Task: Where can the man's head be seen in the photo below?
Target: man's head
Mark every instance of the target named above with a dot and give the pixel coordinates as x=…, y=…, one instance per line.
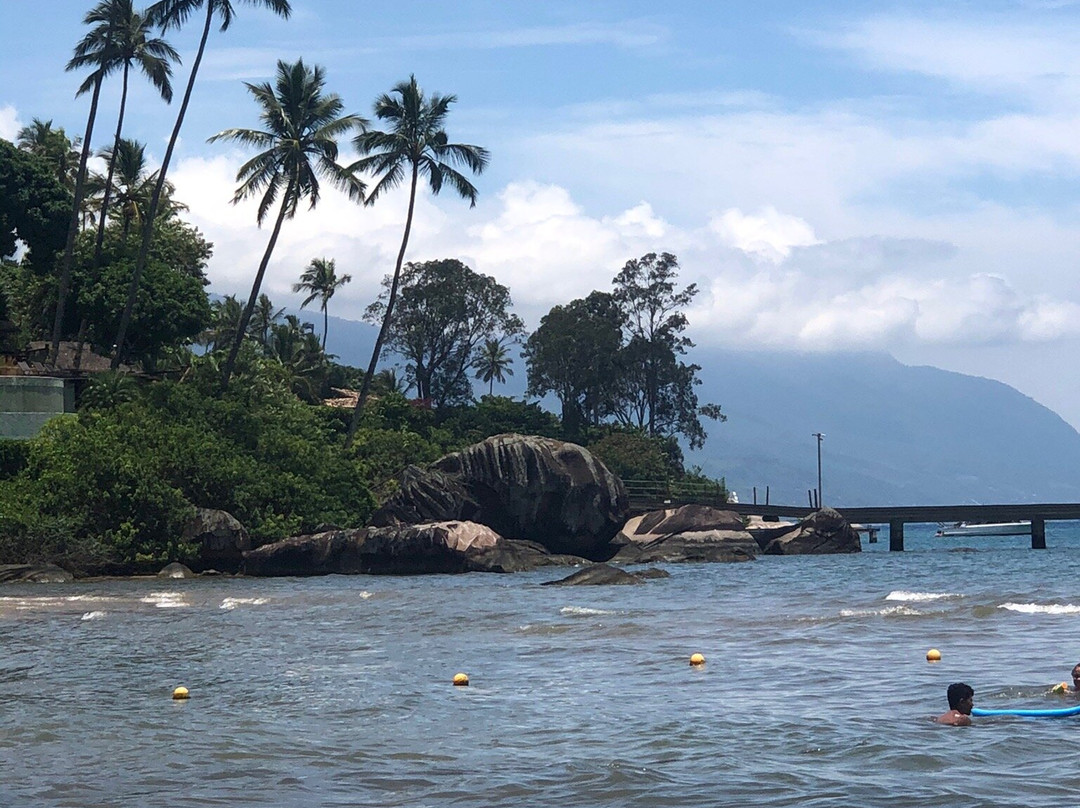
x=1076, y=676
x=961, y=697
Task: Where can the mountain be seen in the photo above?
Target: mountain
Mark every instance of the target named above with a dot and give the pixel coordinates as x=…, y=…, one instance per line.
x=894, y=434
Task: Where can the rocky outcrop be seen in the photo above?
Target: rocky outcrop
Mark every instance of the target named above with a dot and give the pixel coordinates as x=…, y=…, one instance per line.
x=435, y=547
x=822, y=532
x=327, y=553
x=34, y=573
x=687, y=533
x=598, y=575
x=222, y=540
x=522, y=487
x=176, y=570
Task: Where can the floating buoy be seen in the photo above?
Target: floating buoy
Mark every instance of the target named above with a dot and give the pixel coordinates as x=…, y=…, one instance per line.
x=1061, y=688
x=461, y=680
x=933, y=655
x=181, y=693
x=697, y=659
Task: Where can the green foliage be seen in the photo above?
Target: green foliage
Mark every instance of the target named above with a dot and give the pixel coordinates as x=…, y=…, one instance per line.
x=129, y=476
x=495, y=415
x=636, y=456
x=14, y=455
x=34, y=207
x=445, y=311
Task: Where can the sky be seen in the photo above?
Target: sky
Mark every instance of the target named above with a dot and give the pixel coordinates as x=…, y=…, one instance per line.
x=834, y=176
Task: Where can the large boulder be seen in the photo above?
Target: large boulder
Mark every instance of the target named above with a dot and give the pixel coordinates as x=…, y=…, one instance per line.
x=222, y=540
x=824, y=531
x=34, y=573
x=687, y=533
x=435, y=547
x=598, y=575
x=522, y=487
x=333, y=551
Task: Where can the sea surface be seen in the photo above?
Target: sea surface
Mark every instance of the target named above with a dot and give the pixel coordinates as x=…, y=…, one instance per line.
x=337, y=691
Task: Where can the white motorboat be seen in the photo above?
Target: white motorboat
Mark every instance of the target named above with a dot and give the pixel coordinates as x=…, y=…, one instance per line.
x=1019, y=528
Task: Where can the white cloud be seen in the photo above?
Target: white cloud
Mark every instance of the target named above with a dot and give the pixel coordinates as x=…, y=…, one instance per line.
x=622, y=35
x=9, y=122
x=769, y=234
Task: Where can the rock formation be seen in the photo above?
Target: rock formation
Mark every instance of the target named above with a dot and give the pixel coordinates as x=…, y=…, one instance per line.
x=687, y=533
x=824, y=531
x=221, y=538
x=522, y=487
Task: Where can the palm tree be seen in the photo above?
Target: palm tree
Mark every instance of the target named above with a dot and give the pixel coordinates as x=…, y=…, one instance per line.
x=173, y=14
x=131, y=187
x=493, y=364
x=96, y=50
x=300, y=141
x=263, y=318
x=152, y=56
x=415, y=145
x=54, y=146
x=321, y=281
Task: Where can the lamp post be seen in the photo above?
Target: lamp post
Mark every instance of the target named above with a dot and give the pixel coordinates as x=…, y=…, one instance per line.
x=819, y=436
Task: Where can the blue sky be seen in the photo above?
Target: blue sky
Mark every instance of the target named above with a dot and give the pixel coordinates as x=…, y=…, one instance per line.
x=895, y=176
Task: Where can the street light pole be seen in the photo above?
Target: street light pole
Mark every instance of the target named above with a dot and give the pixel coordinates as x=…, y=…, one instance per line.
x=819, y=436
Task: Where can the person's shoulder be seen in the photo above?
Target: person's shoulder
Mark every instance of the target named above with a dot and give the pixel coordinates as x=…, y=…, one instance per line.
x=954, y=718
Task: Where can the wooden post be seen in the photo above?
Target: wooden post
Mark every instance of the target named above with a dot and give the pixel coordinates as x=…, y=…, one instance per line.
x=1038, y=534
x=896, y=535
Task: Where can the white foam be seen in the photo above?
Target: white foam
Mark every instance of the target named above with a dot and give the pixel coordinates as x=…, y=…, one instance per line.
x=364, y=595
x=93, y=615
x=919, y=597
x=888, y=611
x=231, y=603
x=1035, y=608
x=582, y=611
x=165, y=600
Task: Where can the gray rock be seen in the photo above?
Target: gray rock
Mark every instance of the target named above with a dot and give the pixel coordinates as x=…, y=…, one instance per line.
x=598, y=575
x=522, y=487
x=34, y=573
x=176, y=570
x=221, y=538
x=696, y=533
x=822, y=532
x=335, y=551
x=435, y=547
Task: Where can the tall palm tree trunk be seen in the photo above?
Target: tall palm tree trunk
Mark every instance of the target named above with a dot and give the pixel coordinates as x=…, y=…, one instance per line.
x=245, y=318
x=73, y=227
x=365, y=386
x=109, y=176
x=148, y=223
x=325, y=325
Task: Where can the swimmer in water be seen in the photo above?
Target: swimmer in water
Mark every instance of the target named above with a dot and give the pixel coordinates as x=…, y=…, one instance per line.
x=1064, y=686
x=961, y=700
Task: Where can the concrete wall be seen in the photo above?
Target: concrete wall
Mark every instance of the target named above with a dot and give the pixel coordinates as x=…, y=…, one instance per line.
x=27, y=402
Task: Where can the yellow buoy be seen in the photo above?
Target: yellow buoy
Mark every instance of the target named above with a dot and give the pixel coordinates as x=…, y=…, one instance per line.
x=697, y=659
x=181, y=693
x=1061, y=688
x=933, y=655
x=461, y=680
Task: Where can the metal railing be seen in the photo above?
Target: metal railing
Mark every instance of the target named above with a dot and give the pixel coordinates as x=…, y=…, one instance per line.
x=649, y=495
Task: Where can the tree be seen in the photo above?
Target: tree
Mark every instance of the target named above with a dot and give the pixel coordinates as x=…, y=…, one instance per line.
x=574, y=353
x=173, y=14
x=262, y=319
x=53, y=146
x=175, y=310
x=415, y=145
x=300, y=140
x=130, y=187
x=321, y=281
x=97, y=50
x=657, y=388
x=34, y=207
x=152, y=56
x=445, y=310
x=492, y=363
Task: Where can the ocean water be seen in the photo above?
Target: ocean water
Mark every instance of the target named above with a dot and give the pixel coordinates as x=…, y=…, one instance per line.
x=337, y=691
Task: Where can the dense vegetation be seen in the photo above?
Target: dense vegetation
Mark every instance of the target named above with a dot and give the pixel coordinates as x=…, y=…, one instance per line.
x=220, y=404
